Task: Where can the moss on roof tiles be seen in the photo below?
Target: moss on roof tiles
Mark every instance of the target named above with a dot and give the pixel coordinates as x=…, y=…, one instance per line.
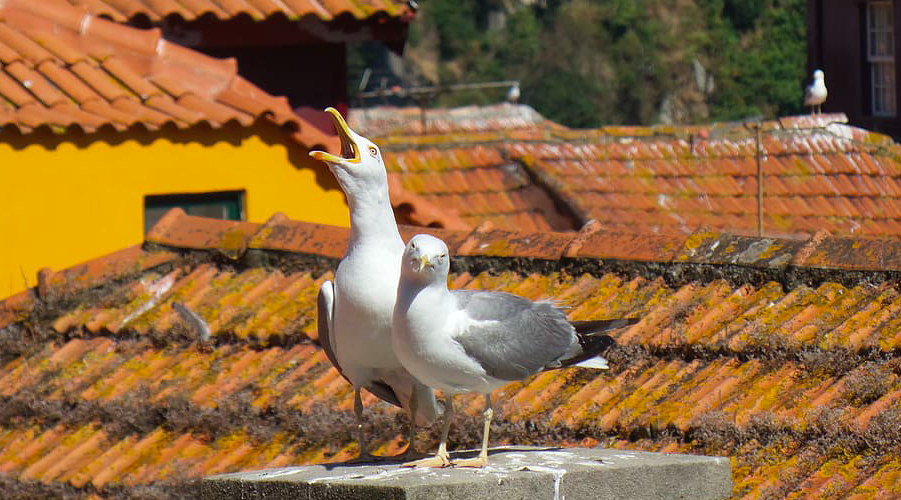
x=717, y=365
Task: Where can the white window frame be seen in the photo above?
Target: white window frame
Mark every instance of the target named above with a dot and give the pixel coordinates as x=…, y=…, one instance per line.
x=881, y=58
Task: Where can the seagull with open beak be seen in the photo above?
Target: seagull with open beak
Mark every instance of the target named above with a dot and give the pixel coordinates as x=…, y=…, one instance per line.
x=355, y=311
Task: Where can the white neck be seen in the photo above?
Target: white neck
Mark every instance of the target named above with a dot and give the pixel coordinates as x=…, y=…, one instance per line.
x=421, y=303
x=371, y=216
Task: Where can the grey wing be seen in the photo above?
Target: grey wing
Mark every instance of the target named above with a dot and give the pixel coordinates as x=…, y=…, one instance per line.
x=512, y=337
x=325, y=309
x=325, y=313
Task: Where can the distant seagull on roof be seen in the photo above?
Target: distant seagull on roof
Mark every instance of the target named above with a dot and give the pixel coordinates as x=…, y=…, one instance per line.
x=513, y=93
x=815, y=93
x=476, y=341
x=355, y=310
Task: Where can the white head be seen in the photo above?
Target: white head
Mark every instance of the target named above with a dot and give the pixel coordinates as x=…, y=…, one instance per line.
x=360, y=166
x=818, y=74
x=425, y=260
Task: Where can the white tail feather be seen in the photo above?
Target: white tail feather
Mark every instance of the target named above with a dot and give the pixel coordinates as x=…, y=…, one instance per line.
x=596, y=362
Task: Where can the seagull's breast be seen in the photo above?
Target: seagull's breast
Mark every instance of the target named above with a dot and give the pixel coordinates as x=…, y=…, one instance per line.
x=423, y=341
x=815, y=93
x=365, y=291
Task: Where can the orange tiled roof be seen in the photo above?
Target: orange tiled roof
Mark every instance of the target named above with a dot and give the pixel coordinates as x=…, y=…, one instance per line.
x=63, y=67
x=189, y=10
x=779, y=353
x=465, y=172
x=478, y=183
x=818, y=173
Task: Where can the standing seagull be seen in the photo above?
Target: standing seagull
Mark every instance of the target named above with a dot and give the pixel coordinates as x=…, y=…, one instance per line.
x=513, y=93
x=355, y=310
x=476, y=341
x=815, y=93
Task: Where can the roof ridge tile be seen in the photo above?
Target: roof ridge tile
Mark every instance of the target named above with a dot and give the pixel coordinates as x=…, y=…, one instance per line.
x=454, y=238
x=176, y=229
x=223, y=69
x=609, y=244
x=144, y=42
x=851, y=254
x=486, y=241
x=283, y=234
x=71, y=17
x=180, y=230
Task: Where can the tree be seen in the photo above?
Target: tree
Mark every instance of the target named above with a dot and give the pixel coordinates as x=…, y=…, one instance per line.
x=586, y=63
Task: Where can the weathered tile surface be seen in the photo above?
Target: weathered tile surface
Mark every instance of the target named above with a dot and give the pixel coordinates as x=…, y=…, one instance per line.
x=508, y=165
x=106, y=388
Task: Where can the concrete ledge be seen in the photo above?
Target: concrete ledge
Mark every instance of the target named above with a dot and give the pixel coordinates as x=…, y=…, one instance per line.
x=513, y=473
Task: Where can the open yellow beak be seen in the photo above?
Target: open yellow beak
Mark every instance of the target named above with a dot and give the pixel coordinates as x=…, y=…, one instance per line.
x=350, y=153
x=423, y=262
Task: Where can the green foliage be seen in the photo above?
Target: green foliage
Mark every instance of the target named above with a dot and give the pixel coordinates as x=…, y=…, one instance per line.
x=456, y=25
x=587, y=63
x=743, y=14
x=763, y=74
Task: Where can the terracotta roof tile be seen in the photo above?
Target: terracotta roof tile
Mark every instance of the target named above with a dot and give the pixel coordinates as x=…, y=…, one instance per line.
x=31, y=52
x=475, y=185
x=35, y=83
x=68, y=82
x=280, y=233
x=53, y=54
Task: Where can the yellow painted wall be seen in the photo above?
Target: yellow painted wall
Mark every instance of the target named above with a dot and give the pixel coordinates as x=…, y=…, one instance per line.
x=68, y=199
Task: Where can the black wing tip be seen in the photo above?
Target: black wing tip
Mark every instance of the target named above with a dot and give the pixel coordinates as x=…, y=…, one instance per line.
x=592, y=345
x=591, y=327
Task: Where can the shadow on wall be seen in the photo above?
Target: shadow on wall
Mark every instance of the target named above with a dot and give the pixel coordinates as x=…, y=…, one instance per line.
x=232, y=132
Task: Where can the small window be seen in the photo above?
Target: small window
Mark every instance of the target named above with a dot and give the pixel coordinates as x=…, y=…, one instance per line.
x=220, y=205
x=881, y=57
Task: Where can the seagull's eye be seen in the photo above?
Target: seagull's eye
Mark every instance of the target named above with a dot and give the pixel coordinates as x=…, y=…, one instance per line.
x=373, y=152
x=442, y=256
